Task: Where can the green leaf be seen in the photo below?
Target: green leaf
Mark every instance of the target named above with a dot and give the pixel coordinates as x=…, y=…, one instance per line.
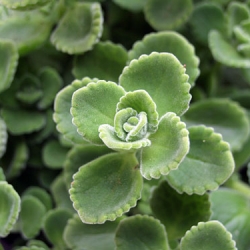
x=106, y=188
x=32, y=209
x=105, y=61
x=170, y=144
x=93, y=106
x=237, y=12
x=2, y=175
x=171, y=42
x=62, y=105
x=208, y=164
x=167, y=15
x=209, y=235
x=224, y=52
x=79, y=28
x=131, y=5
x=28, y=121
x=206, y=17
x=141, y=233
x=54, y=154
x=23, y=4
x=40, y=194
x=9, y=208
x=51, y=83
x=37, y=243
x=226, y=117
x=231, y=207
x=244, y=49
x=53, y=226
x=163, y=77
x=78, y=156
x=3, y=137
x=78, y=235
x=242, y=31
x=22, y=31
x=9, y=61
x=178, y=212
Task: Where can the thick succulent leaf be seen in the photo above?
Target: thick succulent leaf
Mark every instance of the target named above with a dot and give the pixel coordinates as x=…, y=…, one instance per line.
x=22, y=31
x=206, y=17
x=40, y=194
x=226, y=117
x=37, y=243
x=28, y=121
x=170, y=144
x=53, y=226
x=22, y=4
x=131, y=5
x=178, y=12
x=209, y=235
x=9, y=208
x=60, y=193
x=224, y=52
x=171, y=42
x=231, y=207
x=237, y=12
x=163, y=77
x=105, y=61
x=93, y=106
x=208, y=164
x=62, y=105
x=78, y=156
x=9, y=61
x=141, y=233
x=51, y=83
x=78, y=235
x=242, y=32
x=79, y=29
x=106, y=188
x=178, y=212
x=244, y=49
x=54, y=154
x=3, y=137
x=32, y=209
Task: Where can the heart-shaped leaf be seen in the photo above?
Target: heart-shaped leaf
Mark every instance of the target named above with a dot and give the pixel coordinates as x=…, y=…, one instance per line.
x=208, y=164
x=107, y=187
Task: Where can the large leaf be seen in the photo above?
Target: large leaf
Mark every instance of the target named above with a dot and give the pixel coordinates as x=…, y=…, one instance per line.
x=208, y=164
x=106, y=188
x=141, y=233
x=79, y=29
x=163, y=77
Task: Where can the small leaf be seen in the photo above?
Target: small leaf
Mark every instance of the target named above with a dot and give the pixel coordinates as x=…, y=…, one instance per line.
x=79, y=29
x=53, y=226
x=62, y=105
x=178, y=212
x=54, y=154
x=105, y=61
x=28, y=121
x=208, y=164
x=170, y=144
x=80, y=155
x=224, y=52
x=23, y=4
x=206, y=17
x=209, y=235
x=141, y=233
x=92, y=237
x=9, y=61
x=3, y=137
x=32, y=209
x=93, y=106
x=226, y=117
x=163, y=77
x=231, y=207
x=22, y=31
x=171, y=42
x=105, y=188
x=51, y=83
x=242, y=31
x=166, y=15
x=10, y=207
x=37, y=243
